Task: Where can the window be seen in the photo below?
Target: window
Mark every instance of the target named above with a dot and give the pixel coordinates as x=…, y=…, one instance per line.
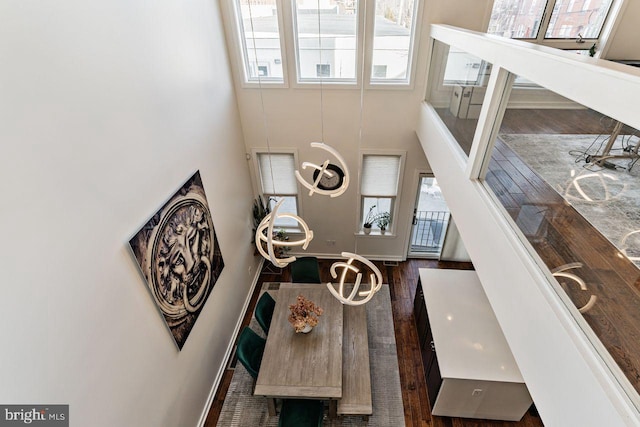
x=278, y=181
x=327, y=40
x=379, y=185
x=260, y=40
x=571, y=25
x=507, y=16
x=325, y=37
x=323, y=70
x=379, y=71
x=263, y=70
x=587, y=23
x=392, y=40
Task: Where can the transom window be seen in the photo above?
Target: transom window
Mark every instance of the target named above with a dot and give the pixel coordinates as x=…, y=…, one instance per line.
x=393, y=40
x=260, y=40
x=327, y=40
x=564, y=24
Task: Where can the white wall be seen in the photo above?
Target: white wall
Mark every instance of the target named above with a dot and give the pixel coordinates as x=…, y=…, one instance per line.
x=624, y=43
x=107, y=107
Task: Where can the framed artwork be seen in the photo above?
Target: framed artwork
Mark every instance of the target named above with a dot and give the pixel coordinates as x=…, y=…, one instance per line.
x=179, y=256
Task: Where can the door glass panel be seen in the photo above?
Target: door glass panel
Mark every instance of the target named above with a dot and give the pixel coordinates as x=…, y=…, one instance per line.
x=430, y=220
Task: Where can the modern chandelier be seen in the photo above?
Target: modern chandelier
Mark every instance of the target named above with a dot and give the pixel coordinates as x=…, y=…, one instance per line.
x=328, y=179
x=331, y=180
x=267, y=223
x=375, y=280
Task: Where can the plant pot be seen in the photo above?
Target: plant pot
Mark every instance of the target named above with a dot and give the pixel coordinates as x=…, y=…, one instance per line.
x=307, y=329
x=383, y=230
x=366, y=229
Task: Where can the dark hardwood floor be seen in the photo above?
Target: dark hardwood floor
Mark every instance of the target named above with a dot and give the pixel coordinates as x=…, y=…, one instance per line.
x=402, y=280
x=560, y=236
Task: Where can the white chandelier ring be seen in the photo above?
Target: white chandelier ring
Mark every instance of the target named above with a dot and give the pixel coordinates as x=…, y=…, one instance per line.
x=325, y=172
x=347, y=266
x=267, y=224
x=375, y=280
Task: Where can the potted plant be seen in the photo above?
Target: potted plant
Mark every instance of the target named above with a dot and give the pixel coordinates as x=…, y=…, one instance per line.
x=368, y=220
x=282, y=236
x=260, y=210
x=382, y=221
x=304, y=314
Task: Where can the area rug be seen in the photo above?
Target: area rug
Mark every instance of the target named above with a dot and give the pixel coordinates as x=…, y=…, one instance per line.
x=609, y=198
x=242, y=408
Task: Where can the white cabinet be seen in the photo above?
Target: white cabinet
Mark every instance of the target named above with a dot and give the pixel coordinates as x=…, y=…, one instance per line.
x=480, y=378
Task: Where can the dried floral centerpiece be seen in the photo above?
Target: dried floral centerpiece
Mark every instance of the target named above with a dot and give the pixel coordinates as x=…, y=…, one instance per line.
x=304, y=314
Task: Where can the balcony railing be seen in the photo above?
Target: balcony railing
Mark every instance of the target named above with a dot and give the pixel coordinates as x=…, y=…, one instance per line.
x=428, y=231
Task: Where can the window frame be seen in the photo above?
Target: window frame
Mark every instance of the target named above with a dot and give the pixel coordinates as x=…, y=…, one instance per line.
x=243, y=51
x=574, y=43
x=408, y=82
x=375, y=231
x=288, y=50
x=307, y=82
x=257, y=175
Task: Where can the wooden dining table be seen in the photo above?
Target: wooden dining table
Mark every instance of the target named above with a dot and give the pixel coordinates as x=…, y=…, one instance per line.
x=298, y=365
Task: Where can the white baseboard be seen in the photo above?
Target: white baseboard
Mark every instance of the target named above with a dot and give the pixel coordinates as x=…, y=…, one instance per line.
x=338, y=256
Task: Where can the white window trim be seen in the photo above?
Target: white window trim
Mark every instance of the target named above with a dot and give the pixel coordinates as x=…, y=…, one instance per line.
x=307, y=83
x=231, y=16
x=289, y=51
x=391, y=232
x=414, y=46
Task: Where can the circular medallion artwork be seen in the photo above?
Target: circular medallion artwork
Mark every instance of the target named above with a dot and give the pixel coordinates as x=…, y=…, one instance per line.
x=181, y=256
x=178, y=253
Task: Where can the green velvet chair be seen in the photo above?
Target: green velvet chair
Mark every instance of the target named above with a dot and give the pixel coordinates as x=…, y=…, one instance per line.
x=250, y=350
x=305, y=270
x=301, y=413
x=264, y=311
